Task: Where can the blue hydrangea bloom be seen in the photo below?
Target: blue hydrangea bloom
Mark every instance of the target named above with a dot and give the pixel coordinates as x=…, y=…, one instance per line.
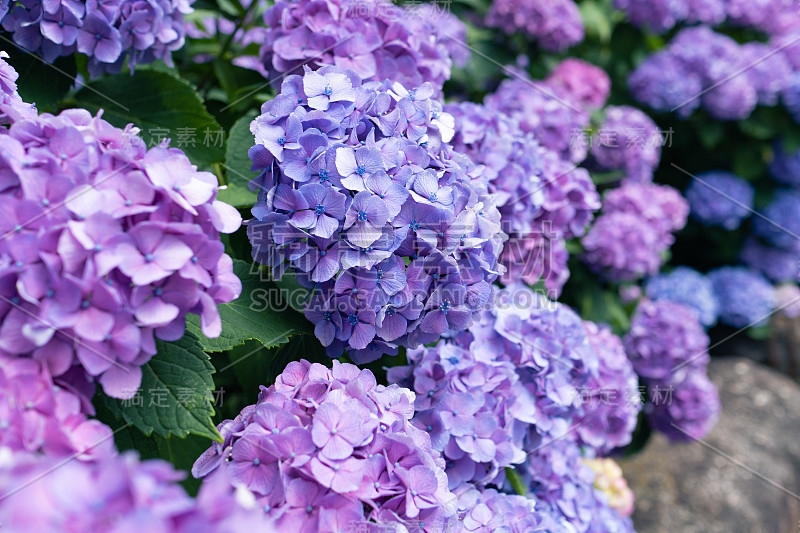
x=777, y=264
x=745, y=297
x=779, y=224
x=785, y=168
x=686, y=286
x=720, y=198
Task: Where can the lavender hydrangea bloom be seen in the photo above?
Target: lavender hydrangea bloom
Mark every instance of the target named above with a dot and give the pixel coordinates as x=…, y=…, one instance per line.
x=116, y=493
x=627, y=241
x=489, y=511
x=527, y=178
x=108, y=246
x=769, y=73
x=665, y=335
x=403, y=243
x=745, y=297
x=37, y=415
x=375, y=39
x=629, y=141
x=780, y=225
x=665, y=84
x=719, y=198
x=553, y=114
x=711, y=12
x=322, y=445
x=785, y=167
x=142, y=31
x=12, y=107
x=620, y=248
x=609, y=398
x=555, y=24
x=589, y=85
x=683, y=408
x=658, y=16
x=777, y=264
x=686, y=286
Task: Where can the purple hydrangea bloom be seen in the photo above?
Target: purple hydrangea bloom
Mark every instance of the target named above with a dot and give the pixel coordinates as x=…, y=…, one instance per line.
x=142, y=31
x=769, y=73
x=331, y=446
x=777, y=264
x=780, y=226
x=622, y=247
x=685, y=407
x=555, y=24
x=627, y=241
x=711, y=12
x=489, y=511
x=665, y=335
x=629, y=141
x=12, y=107
x=719, y=198
x=116, y=493
x=363, y=198
x=658, y=16
x=38, y=415
x=785, y=167
x=589, y=85
x=610, y=399
x=665, y=84
x=686, y=286
x=791, y=96
x=551, y=112
x=107, y=245
x=745, y=297
x=527, y=178
x=753, y=14
x=375, y=39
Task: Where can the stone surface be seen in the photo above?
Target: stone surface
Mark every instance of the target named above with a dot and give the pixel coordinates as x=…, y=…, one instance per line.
x=744, y=477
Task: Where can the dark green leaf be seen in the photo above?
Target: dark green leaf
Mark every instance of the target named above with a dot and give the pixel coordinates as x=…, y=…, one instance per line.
x=237, y=164
x=516, y=481
x=162, y=106
x=262, y=312
x=41, y=83
x=175, y=397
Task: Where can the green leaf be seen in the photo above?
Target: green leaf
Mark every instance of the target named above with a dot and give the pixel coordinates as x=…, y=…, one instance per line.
x=262, y=313
x=237, y=164
x=711, y=134
x=748, y=163
x=175, y=396
x=162, y=106
x=516, y=481
x=596, y=21
x=41, y=83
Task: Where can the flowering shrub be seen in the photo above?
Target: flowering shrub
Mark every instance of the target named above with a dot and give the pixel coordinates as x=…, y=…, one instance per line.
x=361, y=195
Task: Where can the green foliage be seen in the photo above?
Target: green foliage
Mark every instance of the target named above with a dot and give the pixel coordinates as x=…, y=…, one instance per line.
x=175, y=396
x=237, y=164
x=162, y=105
x=42, y=83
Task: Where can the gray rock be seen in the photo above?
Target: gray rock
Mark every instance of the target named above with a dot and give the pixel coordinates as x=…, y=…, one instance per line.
x=744, y=477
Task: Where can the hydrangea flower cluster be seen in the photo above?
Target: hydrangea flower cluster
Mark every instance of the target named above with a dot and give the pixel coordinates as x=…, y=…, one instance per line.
x=744, y=296
x=785, y=166
x=116, y=493
x=777, y=264
x=361, y=195
x=563, y=486
x=374, y=38
x=611, y=397
x=489, y=511
x=526, y=178
x=719, y=198
x=779, y=225
x=329, y=446
x=555, y=24
x=105, y=246
x=688, y=287
x=669, y=350
x=548, y=109
x=628, y=239
x=702, y=67
x=628, y=141
x=12, y=108
x=37, y=415
x=770, y=16
x=588, y=84
x=608, y=480
x=142, y=31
